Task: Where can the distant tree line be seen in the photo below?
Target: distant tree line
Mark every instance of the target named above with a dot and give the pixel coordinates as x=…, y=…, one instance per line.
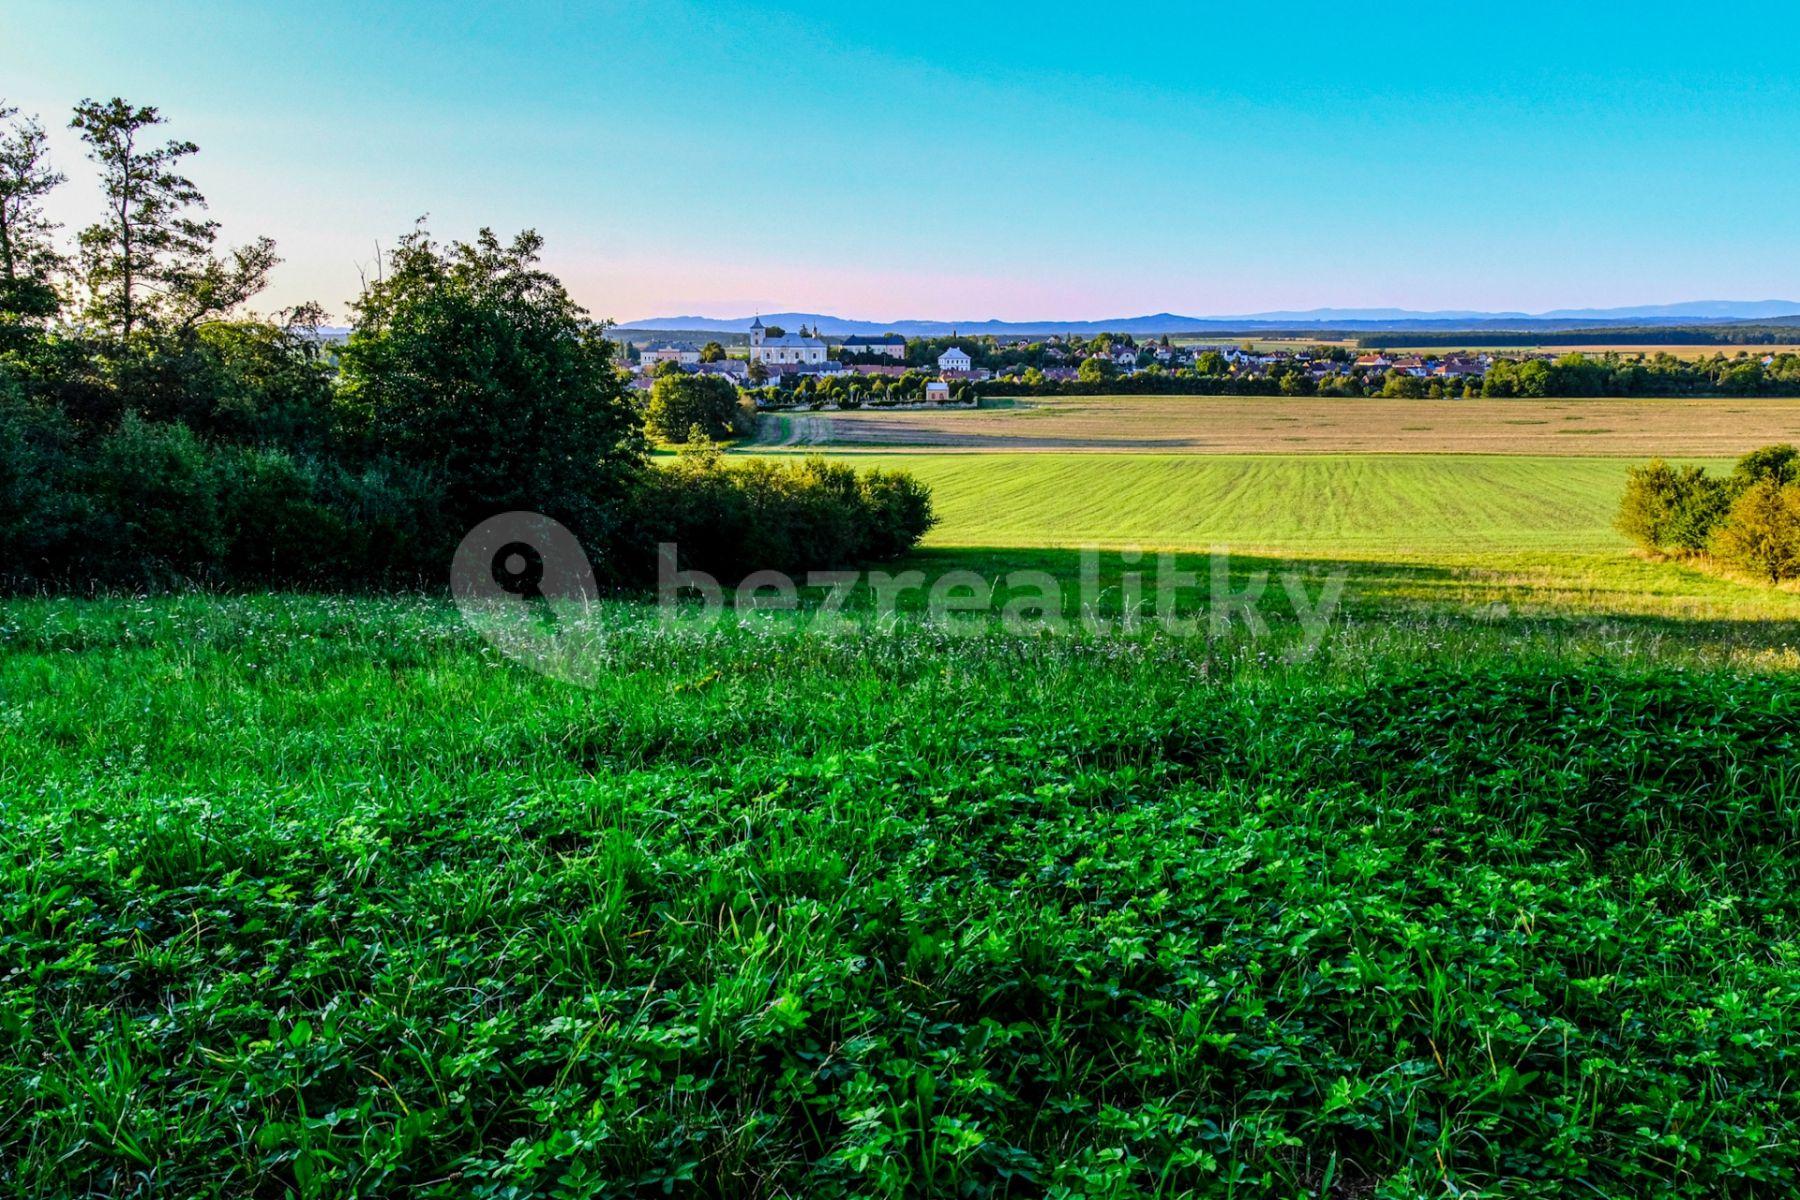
x=1568, y=375
x=1748, y=519
x=151, y=434
x=1630, y=335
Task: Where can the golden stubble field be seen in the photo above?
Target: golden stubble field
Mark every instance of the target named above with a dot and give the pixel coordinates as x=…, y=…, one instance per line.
x=1709, y=428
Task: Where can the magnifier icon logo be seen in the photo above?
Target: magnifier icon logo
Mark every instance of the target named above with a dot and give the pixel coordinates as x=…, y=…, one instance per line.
x=519, y=569
x=522, y=581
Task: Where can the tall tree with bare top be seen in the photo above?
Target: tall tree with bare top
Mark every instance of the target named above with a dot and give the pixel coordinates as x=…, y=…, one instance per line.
x=28, y=255
x=150, y=262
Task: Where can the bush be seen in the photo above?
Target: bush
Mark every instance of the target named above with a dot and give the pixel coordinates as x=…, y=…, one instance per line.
x=1761, y=535
x=1672, y=510
x=156, y=504
x=282, y=523
x=39, y=511
x=899, y=512
x=472, y=362
x=731, y=518
x=1749, y=520
x=1780, y=463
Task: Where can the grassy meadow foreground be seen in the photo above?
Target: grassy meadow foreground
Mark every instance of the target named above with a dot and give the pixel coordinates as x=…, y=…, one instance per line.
x=323, y=897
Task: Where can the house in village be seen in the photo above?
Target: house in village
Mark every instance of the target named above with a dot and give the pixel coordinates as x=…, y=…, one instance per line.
x=684, y=353
x=955, y=359
x=736, y=370
x=889, y=345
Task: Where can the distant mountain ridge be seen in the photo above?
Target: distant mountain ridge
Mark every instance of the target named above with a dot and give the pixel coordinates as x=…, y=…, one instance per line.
x=1690, y=312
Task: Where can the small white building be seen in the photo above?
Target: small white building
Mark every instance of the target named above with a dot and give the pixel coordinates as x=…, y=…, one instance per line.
x=954, y=359
x=938, y=393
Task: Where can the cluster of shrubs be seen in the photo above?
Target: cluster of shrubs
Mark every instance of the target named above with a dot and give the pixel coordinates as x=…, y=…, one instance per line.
x=780, y=516
x=249, y=453
x=851, y=391
x=155, y=504
x=1748, y=520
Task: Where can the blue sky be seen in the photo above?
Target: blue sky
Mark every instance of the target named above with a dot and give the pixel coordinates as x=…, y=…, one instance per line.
x=962, y=161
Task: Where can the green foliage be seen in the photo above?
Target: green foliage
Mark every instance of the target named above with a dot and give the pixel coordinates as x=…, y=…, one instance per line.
x=1761, y=533
x=473, y=361
x=1776, y=464
x=730, y=517
x=162, y=443
x=1672, y=510
x=29, y=258
x=886, y=915
x=237, y=453
x=39, y=508
x=1574, y=374
x=680, y=403
x=1095, y=370
x=896, y=512
x=1401, y=384
x=156, y=496
x=1749, y=519
x=149, y=263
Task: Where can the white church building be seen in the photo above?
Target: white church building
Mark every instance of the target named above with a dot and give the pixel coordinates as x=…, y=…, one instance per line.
x=790, y=349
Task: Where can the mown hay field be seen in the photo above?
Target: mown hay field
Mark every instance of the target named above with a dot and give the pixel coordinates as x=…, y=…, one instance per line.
x=1711, y=427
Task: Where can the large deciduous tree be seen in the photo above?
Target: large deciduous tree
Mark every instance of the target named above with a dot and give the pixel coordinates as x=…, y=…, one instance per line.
x=681, y=405
x=471, y=361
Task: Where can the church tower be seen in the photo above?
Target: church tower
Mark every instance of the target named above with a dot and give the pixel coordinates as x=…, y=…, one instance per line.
x=756, y=339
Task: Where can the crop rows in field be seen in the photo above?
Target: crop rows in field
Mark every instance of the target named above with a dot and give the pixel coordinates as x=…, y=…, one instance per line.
x=1274, y=425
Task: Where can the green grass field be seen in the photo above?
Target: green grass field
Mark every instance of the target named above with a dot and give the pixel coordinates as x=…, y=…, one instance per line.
x=1390, y=504
x=320, y=897
x=1485, y=887
x=1446, y=532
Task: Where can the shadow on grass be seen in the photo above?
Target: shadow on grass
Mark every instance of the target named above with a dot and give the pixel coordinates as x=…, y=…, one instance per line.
x=1522, y=590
